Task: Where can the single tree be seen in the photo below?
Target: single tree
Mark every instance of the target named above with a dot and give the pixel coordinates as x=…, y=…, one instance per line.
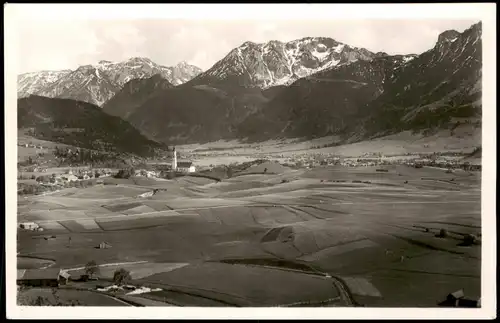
x=91, y=268
x=171, y=175
x=121, y=277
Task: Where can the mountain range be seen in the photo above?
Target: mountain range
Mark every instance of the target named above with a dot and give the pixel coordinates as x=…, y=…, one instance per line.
x=435, y=89
x=307, y=88
x=276, y=63
x=98, y=83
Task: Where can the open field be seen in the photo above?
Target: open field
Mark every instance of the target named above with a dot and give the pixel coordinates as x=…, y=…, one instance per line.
x=68, y=296
x=208, y=243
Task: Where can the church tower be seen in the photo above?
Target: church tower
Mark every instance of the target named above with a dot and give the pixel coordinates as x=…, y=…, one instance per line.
x=174, y=160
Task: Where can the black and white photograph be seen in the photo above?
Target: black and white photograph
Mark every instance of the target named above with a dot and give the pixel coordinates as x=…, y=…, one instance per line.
x=208, y=157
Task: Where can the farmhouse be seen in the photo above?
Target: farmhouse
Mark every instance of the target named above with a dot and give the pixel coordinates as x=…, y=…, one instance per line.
x=50, y=277
x=64, y=276
x=29, y=225
x=104, y=245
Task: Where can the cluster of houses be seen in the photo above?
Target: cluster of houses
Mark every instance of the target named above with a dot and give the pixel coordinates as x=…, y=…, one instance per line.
x=35, y=169
x=74, y=175
x=449, y=164
x=147, y=173
x=30, y=145
x=32, y=226
x=310, y=161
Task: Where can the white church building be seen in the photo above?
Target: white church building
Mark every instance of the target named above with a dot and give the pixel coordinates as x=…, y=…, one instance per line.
x=182, y=166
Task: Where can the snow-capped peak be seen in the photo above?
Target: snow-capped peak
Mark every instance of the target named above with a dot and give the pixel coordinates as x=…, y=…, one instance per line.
x=277, y=63
x=98, y=83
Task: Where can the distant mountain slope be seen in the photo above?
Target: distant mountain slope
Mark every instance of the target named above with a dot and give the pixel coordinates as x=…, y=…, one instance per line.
x=214, y=103
x=30, y=83
x=80, y=124
x=133, y=94
x=438, y=89
x=388, y=94
x=196, y=113
x=277, y=63
x=98, y=83
x=361, y=95
x=323, y=103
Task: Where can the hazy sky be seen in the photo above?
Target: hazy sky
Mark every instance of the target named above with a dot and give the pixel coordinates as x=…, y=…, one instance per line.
x=65, y=44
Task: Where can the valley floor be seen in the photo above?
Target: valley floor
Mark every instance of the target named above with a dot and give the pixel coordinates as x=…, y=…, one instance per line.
x=328, y=236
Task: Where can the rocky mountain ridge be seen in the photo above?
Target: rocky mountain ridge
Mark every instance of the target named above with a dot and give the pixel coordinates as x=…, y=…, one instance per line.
x=360, y=98
x=98, y=83
x=278, y=63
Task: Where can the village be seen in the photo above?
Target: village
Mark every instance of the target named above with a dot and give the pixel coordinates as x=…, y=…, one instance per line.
x=53, y=179
x=452, y=161
x=115, y=282
x=35, y=178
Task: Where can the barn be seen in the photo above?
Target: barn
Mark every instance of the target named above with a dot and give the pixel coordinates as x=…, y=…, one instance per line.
x=50, y=277
x=64, y=277
x=104, y=245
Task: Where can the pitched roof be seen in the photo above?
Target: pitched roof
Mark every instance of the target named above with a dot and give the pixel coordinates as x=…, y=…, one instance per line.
x=184, y=164
x=49, y=273
x=65, y=274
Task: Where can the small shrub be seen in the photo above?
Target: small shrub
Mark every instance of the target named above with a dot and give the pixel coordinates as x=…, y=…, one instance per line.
x=125, y=173
x=43, y=179
x=443, y=233
x=470, y=239
x=121, y=277
x=91, y=268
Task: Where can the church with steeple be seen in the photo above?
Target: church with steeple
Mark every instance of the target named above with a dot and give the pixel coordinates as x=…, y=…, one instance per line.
x=181, y=166
x=174, y=159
